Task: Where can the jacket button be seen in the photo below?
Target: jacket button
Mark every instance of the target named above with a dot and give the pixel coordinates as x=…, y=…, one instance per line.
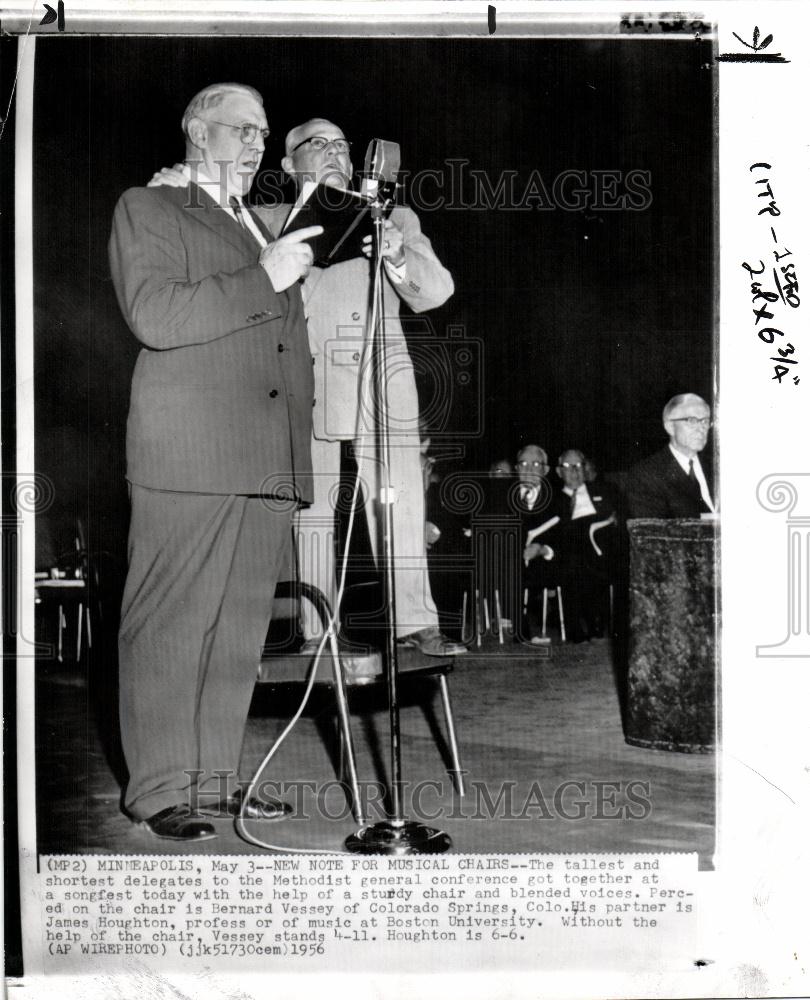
x=314, y=401
x=281, y=348
x=355, y=315
x=273, y=393
x=356, y=356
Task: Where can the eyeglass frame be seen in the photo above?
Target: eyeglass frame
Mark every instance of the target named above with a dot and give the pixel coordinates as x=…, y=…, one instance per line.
x=706, y=422
x=326, y=142
x=535, y=463
x=572, y=465
x=264, y=132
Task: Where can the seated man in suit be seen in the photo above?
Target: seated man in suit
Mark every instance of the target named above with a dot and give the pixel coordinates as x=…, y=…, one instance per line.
x=583, y=541
x=532, y=504
x=673, y=482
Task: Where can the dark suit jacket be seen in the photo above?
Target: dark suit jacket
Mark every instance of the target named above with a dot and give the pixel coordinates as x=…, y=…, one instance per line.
x=222, y=391
x=658, y=487
x=574, y=548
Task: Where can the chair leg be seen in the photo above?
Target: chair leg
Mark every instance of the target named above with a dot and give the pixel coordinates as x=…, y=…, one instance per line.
x=560, y=608
x=79, y=628
x=347, y=744
x=545, y=609
x=477, y=617
x=59, y=639
x=498, y=616
x=451, y=734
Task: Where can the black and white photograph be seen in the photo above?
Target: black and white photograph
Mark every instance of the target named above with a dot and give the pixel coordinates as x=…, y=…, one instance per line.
x=374, y=499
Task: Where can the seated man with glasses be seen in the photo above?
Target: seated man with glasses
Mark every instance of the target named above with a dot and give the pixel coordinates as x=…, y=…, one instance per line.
x=531, y=501
x=673, y=482
x=584, y=546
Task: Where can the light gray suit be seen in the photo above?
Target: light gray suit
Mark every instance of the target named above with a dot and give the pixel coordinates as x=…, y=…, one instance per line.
x=336, y=302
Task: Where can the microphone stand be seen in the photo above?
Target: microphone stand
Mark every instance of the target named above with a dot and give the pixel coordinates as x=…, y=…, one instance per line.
x=394, y=836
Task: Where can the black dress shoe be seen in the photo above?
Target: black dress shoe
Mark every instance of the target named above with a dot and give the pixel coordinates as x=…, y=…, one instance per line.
x=253, y=809
x=178, y=823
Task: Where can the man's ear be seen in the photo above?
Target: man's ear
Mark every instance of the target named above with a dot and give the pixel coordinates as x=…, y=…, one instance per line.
x=287, y=165
x=198, y=133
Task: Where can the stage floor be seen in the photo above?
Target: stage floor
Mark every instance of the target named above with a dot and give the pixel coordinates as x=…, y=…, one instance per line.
x=540, y=739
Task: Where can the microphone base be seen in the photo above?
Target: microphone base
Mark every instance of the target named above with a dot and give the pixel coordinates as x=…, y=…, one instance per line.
x=402, y=838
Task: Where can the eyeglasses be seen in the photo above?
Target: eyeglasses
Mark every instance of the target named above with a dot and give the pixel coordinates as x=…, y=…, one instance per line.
x=537, y=465
x=571, y=465
x=321, y=142
x=693, y=421
x=247, y=132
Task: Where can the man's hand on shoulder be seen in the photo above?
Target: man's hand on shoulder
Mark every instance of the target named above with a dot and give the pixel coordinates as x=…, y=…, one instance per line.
x=289, y=257
x=169, y=177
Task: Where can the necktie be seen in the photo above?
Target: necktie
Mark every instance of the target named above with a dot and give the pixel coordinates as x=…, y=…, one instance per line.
x=237, y=211
x=573, y=502
x=692, y=475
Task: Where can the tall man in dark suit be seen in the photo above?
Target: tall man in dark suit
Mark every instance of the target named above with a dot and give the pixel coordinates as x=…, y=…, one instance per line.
x=217, y=460
x=673, y=482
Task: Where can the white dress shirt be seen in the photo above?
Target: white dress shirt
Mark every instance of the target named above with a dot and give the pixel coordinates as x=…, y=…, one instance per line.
x=684, y=461
x=215, y=190
x=583, y=505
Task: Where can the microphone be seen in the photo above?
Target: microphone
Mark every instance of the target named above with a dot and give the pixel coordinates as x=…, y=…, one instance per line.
x=380, y=170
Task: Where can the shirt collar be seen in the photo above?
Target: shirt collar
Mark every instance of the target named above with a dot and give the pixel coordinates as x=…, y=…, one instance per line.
x=213, y=189
x=684, y=460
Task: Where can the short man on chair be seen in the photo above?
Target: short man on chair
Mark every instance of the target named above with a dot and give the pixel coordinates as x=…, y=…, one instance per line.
x=336, y=301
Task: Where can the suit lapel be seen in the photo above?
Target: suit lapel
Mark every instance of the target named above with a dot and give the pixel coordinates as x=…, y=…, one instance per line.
x=271, y=218
x=207, y=212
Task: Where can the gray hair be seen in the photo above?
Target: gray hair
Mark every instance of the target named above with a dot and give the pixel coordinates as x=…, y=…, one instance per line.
x=537, y=448
x=212, y=96
x=682, y=400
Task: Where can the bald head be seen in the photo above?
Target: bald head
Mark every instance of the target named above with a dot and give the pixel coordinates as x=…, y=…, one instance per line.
x=304, y=131
x=325, y=160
